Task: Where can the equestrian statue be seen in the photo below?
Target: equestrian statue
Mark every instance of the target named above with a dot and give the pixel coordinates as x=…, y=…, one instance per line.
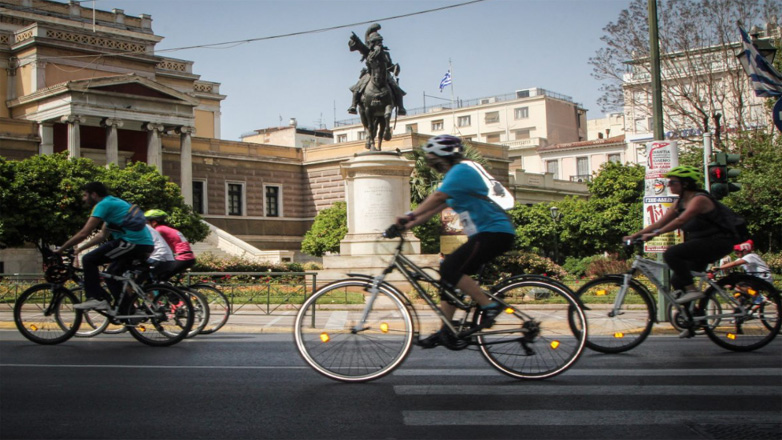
x=377, y=91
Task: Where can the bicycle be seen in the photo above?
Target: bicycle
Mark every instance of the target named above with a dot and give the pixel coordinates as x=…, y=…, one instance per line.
x=157, y=315
x=621, y=310
x=219, y=309
x=531, y=339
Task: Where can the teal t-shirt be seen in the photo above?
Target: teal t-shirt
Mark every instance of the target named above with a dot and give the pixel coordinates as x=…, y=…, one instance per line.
x=466, y=190
x=112, y=210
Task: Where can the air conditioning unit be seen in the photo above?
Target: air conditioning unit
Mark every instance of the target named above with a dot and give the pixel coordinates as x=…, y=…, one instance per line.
x=488, y=100
x=522, y=93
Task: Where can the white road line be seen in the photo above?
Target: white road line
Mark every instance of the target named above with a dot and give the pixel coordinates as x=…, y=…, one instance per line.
x=163, y=367
x=579, y=390
x=274, y=321
x=600, y=372
x=576, y=418
x=337, y=320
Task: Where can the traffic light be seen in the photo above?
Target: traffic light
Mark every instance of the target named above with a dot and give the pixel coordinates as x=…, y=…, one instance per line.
x=720, y=175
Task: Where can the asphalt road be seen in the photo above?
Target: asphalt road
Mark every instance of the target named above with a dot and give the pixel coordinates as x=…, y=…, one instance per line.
x=255, y=386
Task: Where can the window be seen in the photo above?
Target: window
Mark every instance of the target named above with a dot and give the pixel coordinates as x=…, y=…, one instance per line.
x=272, y=201
x=614, y=157
x=437, y=125
x=492, y=117
x=198, y=196
x=522, y=134
x=463, y=121
x=521, y=113
x=552, y=166
x=582, y=166
x=342, y=138
x=362, y=135
x=235, y=199
x=411, y=128
x=493, y=138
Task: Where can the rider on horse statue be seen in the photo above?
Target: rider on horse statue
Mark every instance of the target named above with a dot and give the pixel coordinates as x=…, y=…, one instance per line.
x=370, y=50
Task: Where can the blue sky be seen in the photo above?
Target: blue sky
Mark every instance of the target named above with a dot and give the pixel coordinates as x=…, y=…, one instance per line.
x=495, y=47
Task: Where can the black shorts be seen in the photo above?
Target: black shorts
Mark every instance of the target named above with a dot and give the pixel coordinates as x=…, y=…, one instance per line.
x=469, y=257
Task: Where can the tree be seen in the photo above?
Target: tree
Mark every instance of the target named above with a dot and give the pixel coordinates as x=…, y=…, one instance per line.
x=698, y=39
x=41, y=199
x=328, y=229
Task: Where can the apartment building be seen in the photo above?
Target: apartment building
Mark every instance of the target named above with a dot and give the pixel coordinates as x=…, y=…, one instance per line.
x=290, y=136
x=524, y=121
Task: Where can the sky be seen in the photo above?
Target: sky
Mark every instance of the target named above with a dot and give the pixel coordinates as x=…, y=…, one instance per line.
x=493, y=47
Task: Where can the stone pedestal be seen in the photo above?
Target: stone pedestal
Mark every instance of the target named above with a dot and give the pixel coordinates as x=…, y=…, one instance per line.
x=377, y=189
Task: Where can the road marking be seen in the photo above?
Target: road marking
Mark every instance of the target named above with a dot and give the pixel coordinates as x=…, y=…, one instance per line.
x=337, y=320
x=600, y=372
x=163, y=367
x=274, y=321
x=575, y=418
x=578, y=390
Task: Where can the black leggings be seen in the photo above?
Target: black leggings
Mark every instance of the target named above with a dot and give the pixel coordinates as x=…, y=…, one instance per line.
x=694, y=255
x=469, y=257
x=164, y=270
x=120, y=254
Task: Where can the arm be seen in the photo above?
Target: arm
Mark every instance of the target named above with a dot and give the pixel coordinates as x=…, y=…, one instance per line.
x=100, y=237
x=92, y=224
x=698, y=205
x=428, y=208
x=733, y=263
x=669, y=215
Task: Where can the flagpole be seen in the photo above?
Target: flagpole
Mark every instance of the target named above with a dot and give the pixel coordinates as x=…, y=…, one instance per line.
x=454, y=129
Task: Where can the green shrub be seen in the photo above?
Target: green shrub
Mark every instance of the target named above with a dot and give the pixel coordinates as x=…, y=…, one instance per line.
x=602, y=266
x=311, y=265
x=774, y=261
x=518, y=263
x=577, y=267
x=208, y=262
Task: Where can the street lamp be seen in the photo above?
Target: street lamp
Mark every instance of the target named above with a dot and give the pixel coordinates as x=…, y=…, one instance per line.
x=555, y=215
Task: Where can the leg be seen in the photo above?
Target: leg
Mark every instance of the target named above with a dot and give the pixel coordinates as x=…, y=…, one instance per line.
x=693, y=255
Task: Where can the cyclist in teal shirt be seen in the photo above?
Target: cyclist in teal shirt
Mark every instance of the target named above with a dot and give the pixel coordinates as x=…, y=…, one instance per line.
x=124, y=246
x=489, y=229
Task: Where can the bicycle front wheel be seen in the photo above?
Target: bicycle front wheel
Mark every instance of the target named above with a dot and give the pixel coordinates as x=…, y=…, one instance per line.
x=219, y=308
x=92, y=323
x=200, y=312
x=165, y=316
x=742, y=331
x=540, y=334
x=334, y=340
x=614, y=330
x=45, y=315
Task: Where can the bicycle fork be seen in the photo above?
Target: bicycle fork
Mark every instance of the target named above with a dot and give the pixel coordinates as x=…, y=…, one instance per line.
x=373, y=292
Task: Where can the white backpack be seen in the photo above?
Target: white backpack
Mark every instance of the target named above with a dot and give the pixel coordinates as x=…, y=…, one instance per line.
x=497, y=193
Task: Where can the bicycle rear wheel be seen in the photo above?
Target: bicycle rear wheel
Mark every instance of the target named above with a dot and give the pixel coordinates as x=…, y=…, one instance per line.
x=333, y=340
x=92, y=323
x=615, y=332
x=540, y=334
x=165, y=317
x=200, y=312
x=219, y=308
x=743, y=332
x=45, y=315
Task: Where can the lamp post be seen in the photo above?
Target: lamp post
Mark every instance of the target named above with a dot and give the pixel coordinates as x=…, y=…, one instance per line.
x=555, y=215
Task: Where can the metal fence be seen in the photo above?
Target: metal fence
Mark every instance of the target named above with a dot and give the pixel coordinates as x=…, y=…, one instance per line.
x=248, y=292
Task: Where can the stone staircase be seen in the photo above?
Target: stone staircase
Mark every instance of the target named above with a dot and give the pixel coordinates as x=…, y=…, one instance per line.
x=221, y=244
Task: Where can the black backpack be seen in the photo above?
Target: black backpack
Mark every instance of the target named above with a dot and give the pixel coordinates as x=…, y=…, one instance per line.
x=134, y=220
x=731, y=222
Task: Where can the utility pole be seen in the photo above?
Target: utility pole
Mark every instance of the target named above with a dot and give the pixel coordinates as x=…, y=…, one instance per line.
x=654, y=55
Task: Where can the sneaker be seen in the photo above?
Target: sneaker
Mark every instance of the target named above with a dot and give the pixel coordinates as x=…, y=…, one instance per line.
x=92, y=304
x=689, y=296
x=490, y=313
x=432, y=340
x=685, y=334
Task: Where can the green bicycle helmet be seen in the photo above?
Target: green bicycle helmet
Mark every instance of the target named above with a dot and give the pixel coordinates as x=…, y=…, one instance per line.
x=155, y=214
x=686, y=172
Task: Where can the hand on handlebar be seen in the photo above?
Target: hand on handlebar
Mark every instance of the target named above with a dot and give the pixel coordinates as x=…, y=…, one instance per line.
x=393, y=231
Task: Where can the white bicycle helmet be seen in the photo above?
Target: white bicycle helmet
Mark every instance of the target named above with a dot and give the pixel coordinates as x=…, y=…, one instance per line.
x=444, y=145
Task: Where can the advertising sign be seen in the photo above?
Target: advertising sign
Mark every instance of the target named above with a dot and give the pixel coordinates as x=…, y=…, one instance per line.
x=661, y=156
x=654, y=208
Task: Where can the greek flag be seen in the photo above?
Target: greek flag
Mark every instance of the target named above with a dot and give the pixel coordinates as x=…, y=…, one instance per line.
x=766, y=80
x=445, y=81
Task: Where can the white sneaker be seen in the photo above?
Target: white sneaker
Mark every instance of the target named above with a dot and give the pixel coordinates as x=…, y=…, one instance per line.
x=92, y=304
x=689, y=296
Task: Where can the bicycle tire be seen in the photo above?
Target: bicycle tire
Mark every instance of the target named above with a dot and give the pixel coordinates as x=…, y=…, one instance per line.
x=616, y=334
x=44, y=314
x=534, y=337
x=324, y=335
x=92, y=323
x=744, y=333
x=169, y=316
x=200, y=312
x=219, y=307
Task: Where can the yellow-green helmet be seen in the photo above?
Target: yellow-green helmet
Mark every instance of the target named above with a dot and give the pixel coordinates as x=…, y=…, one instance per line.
x=155, y=214
x=686, y=172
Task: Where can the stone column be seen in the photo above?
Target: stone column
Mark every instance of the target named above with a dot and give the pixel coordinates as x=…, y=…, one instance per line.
x=154, y=146
x=46, y=132
x=112, y=140
x=377, y=189
x=74, y=134
x=186, y=162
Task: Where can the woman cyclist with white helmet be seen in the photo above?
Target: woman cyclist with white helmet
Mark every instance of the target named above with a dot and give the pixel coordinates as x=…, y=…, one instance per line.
x=705, y=240
x=488, y=227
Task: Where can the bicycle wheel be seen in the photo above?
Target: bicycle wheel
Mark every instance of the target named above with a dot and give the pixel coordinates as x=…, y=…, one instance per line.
x=540, y=334
x=92, y=323
x=45, y=315
x=611, y=332
x=739, y=331
x=328, y=339
x=219, y=308
x=165, y=317
x=200, y=312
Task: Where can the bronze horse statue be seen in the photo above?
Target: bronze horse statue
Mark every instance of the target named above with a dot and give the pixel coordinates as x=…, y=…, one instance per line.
x=376, y=104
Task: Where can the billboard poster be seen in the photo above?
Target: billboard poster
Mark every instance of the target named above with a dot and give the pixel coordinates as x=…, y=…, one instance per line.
x=661, y=156
x=654, y=208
